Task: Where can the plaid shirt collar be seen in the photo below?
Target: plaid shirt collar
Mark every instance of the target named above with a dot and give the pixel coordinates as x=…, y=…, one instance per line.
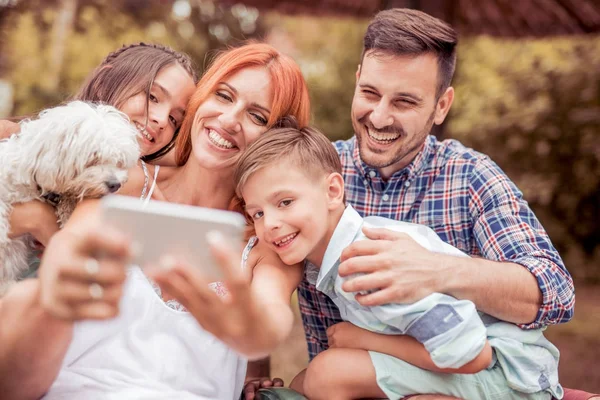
x=410, y=171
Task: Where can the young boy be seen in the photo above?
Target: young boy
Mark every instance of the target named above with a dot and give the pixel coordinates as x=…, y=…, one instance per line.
x=290, y=181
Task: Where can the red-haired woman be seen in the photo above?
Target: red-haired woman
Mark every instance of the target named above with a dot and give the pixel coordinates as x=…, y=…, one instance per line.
x=153, y=348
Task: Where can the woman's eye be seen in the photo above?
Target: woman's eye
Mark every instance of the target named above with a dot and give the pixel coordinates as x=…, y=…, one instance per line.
x=224, y=96
x=257, y=215
x=259, y=118
x=153, y=98
x=173, y=120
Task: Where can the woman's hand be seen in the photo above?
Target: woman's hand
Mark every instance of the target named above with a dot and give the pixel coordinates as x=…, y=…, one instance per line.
x=34, y=217
x=254, y=316
x=231, y=317
x=82, y=273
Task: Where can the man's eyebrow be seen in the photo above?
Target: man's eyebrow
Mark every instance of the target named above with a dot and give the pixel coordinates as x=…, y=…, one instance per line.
x=255, y=105
x=397, y=94
x=167, y=94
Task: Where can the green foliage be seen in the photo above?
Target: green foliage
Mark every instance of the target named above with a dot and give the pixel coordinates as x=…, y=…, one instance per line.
x=328, y=51
x=533, y=106
x=100, y=27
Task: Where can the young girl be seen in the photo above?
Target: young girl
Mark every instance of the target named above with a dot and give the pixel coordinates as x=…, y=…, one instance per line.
x=150, y=83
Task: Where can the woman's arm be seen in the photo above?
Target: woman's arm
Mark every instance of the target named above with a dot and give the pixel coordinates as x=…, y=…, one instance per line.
x=33, y=343
x=36, y=315
x=406, y=348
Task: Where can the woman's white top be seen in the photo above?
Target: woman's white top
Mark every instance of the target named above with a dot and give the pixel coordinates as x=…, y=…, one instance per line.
x=152, y=350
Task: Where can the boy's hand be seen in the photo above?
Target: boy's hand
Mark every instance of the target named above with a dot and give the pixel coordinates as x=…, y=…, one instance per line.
x=252, y=386
x=348, y=336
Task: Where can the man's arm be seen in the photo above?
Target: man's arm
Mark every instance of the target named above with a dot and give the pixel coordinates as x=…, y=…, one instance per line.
x=519, y=262
x=529, y=271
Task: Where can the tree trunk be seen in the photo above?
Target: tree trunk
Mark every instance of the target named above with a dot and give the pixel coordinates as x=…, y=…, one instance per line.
x=61, y=29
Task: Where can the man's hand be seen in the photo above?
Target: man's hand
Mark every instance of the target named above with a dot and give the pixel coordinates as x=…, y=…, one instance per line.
x=396, y=267
x=252, y=386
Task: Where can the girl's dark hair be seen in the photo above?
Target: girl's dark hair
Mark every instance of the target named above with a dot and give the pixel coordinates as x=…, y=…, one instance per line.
x=129, y=71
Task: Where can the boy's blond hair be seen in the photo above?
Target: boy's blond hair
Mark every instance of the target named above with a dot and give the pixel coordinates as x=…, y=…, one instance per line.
x=306, y=148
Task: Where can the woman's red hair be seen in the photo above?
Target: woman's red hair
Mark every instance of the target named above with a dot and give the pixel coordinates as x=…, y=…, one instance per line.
x=289, y=91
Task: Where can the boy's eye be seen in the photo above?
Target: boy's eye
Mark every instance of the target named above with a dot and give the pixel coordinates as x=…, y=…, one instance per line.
x=173, y=120
x=286, y=203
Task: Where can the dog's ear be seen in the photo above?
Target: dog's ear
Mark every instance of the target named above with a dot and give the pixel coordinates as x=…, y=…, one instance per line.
x=48, y=146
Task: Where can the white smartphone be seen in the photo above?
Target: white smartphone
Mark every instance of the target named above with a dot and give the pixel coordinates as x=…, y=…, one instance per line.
x=160, y=228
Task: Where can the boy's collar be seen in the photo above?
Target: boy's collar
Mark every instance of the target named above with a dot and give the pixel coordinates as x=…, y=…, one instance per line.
x=344, y=234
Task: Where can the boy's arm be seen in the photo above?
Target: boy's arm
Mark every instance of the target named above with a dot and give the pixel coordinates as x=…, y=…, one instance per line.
x=403, y=347
x=450, y=329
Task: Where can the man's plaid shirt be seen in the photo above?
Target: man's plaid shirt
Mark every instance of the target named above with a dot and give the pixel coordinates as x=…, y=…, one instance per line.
x=470, y=203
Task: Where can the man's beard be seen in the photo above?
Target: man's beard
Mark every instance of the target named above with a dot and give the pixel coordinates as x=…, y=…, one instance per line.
x=399, y=153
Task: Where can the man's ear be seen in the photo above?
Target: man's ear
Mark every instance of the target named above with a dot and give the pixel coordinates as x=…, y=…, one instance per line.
x=443, y=105
x=335, y=190
x=357, y=73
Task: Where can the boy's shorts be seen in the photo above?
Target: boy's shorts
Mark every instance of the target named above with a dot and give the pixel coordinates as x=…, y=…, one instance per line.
x=398, y=379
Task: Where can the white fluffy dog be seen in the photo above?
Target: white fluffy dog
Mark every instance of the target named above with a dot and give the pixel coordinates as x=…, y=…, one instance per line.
x=69, y=152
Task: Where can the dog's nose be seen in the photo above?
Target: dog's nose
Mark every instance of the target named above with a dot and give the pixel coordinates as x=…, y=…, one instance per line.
x=113, y=186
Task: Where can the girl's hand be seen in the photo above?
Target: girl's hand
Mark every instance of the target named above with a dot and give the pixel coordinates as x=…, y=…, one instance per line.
x=82, y=274
x=34, y=217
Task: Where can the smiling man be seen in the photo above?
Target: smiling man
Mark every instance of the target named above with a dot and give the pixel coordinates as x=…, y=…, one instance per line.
x=394, y=168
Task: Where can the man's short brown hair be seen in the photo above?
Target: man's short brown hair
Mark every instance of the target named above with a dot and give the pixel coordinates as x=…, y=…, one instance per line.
x=402, y=31
x=306, y=148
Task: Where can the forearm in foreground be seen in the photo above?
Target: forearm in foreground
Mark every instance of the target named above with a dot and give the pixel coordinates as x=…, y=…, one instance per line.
x=33, y=343
x=488, y=284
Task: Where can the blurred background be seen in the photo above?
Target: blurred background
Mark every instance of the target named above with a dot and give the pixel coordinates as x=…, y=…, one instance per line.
x=527, y=84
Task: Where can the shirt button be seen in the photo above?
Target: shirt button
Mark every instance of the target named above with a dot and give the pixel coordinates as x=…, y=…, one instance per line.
x=372, y=174
x=385, y=197
x=366, y=182
x=406, y=184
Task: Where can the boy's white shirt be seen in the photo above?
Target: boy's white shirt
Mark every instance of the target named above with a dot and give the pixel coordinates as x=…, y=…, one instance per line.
x=452, y=330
